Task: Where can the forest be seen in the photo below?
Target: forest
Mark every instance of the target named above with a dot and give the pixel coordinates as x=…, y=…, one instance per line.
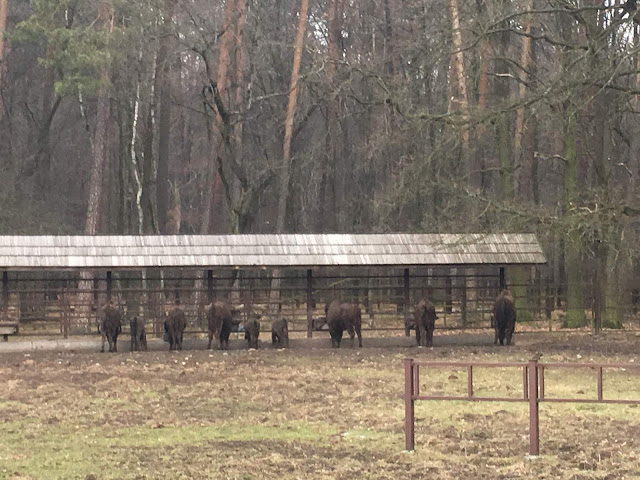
x=350, y=116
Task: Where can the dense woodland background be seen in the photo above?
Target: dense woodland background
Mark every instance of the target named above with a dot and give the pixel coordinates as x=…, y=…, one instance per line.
x=205, y=116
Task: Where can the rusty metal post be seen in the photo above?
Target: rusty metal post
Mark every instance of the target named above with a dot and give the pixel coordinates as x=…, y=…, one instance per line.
x=416, y=379
x=407, y=294
x=525, y=382
x=600, y=397
x=209, y=286
x=534, y=420
x=541, y=382
x=409, y=410
x=309, y=303
x=470, y=380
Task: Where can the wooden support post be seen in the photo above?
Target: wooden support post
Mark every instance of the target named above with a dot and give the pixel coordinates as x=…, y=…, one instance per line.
x=448, y=305
x=534, y=420
x=409, y=406
x=210, y=295
x=463, y=307
x=407, y=298
x=310, y=303
x=5, y=295
x=503, y=279
x=109, y=285
x=66, y=321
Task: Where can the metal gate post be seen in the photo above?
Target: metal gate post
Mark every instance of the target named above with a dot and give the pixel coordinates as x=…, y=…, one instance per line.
x=534, y=422
x=310, y=303
x=409, y=411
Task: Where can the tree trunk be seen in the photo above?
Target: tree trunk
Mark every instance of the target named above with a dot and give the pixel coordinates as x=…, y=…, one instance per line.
x=3, y=26
x=163, y=67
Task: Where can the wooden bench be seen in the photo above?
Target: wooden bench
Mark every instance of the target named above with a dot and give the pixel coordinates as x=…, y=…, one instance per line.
x=8, y=328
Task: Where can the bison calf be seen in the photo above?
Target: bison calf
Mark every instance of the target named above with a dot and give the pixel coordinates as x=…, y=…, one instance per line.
x=138, y=334
x=504, y=317
x=425, y=318
x=252, y=332
x=341, y=317
x=280, y=333
x=110, y=327
x=174, y=327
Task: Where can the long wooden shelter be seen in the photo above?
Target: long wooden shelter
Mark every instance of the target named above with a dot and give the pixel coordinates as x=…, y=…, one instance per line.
x=210, y=253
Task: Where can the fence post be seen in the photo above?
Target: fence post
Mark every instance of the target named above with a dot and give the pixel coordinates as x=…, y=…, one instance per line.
x=409, y=413
x=534, y=423
x=407, y=296
x=310, y=303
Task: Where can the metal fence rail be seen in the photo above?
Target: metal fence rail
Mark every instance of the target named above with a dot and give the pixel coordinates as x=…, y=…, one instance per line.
x=533, y=390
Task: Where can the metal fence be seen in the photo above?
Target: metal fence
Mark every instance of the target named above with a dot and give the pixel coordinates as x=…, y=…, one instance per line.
x=62, y=303
x=533, y=390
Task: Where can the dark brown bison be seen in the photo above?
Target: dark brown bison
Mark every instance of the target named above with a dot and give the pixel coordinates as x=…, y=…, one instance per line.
x=252, y=332
x=341, y=317
x=504, y=317
x=280, y=333
x=110, y=327
x=138, y=334
x=221, y=323
x=424, y=321
x=174, y=327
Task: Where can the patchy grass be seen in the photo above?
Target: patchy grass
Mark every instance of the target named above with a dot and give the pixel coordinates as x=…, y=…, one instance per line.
x=311, y=414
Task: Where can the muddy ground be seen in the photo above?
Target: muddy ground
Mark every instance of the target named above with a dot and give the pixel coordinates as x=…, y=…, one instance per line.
x=311, y=413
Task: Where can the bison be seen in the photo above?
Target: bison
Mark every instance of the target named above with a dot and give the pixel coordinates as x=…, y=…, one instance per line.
x=221, y=324
x=504, y=317
x=174, y=327
x=425, y=318
x=341, y=317
x=138, y=334
x=280, y=333
x=110, y=327
x=252, y=332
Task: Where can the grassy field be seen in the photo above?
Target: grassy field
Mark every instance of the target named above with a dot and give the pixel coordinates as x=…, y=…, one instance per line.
x=313, y=413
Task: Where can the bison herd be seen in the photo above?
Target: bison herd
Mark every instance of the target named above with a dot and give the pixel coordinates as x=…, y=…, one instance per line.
x=339, y=316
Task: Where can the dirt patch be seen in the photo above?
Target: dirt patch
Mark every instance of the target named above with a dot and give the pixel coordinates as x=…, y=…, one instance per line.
x=306, y=413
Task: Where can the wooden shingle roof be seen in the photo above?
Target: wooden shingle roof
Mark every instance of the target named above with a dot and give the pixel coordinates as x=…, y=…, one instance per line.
x=141, y=251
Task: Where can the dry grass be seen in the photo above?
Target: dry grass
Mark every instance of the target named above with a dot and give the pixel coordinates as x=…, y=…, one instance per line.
x=308, y=414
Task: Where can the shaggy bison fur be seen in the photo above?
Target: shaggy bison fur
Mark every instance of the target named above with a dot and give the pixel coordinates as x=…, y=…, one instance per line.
x=504, y=317
x=138, y=334
x=174, y=327
x=221, y=324
x=280, y=333
x=110, y=327
x=252, y=332
x=341, y=317
x=425, y=318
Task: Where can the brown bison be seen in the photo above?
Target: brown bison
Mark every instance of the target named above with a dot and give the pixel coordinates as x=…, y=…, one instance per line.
x=174, y=327
x=341, y=317
x=138, y=334
x=280, y=333
x=504, y=317
x=221, y=324
x=425, y=318
x=110, y=327
x=252, y=332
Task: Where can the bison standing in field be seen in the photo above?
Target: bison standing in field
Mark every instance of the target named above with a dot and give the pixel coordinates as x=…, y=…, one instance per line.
x=221, y=324
x=174, y=327
x=138, y=334
x=110, y=327
x=252, y=332
x=504, y=317
x=341, y=317
x=280, y=333
x=425, y=318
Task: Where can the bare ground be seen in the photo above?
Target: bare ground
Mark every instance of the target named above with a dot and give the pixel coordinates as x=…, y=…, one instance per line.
x=310, y=412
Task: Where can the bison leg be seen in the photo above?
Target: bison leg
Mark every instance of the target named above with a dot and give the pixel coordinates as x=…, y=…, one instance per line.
x=143, y=341
x=509, y=332
x=210, y=339
x=336, y=338
x=104, y=337
x=274, y=339
x=429, y=332
x=352, y=334
x=359, y=333
x=180, y=336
